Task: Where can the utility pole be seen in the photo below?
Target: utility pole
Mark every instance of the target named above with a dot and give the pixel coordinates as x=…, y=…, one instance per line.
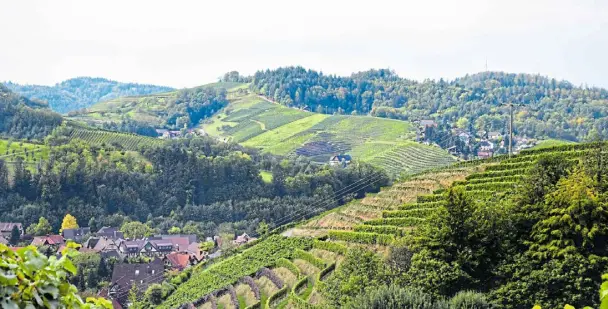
x=510, y=104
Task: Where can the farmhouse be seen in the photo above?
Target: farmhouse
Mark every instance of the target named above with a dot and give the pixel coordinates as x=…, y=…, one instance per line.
x=243, y=239
x=75, y=234
x=494, y=135
x=7, y=227
x=486, y=146
x=49, y=240
x=110, y=232
x=141, y=275
x=340, y=160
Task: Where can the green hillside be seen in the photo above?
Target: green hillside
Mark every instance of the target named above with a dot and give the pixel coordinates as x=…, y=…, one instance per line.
x=151, y=109
x=416, y=215
x=255, y=122
x=82, y=92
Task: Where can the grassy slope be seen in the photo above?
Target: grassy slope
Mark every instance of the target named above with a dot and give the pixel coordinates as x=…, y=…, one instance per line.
x=255, y=122
x=147, y=108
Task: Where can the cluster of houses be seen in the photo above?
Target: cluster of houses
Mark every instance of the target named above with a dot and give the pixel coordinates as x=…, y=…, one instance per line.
x=166, y=252
x=485, y=144
x=465, y=144
x=174, y=134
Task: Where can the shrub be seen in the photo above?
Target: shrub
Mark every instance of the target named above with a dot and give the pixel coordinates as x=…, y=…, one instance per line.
x=469, y=300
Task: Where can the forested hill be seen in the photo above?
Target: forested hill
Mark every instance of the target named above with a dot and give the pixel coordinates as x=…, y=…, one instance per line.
x=550, y=108
x=21, y=117
x=82, y=92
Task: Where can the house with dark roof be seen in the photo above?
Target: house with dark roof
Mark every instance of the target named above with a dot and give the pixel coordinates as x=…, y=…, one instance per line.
x=109, y=232
x=428, y=123
x=191, y=237
x=107, y=247
x=7, y=227
x=75, y=234
x=340, y=160
x=48, y=240
x=142, y=275
x=153, y=247
x=493, y=135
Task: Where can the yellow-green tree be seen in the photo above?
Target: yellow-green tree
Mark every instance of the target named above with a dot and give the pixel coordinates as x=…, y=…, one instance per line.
x=69, y=222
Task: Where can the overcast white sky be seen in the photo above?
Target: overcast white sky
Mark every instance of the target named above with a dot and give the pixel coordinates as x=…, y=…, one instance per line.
x=189, y=43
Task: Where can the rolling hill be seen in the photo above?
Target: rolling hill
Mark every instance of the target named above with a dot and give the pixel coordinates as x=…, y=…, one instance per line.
x=287, y=272
x=82, y=92
x=151, y=109
x=257, y=122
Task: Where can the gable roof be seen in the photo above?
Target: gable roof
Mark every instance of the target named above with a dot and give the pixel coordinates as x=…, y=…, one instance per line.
x=111, y=232
x=341, y=158
x=49, y=239
x=140, y=274
x=178, y=260
x=73, y=233
x=191, y=237
x=8, y=226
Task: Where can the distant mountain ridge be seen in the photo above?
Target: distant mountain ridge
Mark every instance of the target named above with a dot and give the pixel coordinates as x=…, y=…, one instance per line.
x=82, y=92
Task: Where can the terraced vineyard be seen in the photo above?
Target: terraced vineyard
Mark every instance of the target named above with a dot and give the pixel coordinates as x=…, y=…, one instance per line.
x=398, y=210
x=278, y=272
x=256, y=122
x=285, y=272
x=101, y=138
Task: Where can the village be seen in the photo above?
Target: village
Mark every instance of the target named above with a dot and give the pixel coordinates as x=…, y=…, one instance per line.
x=137, y=263
x=467, y=144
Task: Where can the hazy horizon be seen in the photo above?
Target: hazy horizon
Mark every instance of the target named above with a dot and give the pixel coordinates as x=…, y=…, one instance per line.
x=185, y=43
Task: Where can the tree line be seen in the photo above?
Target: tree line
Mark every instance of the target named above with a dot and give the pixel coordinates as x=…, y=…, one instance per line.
x=192, y=184
x=550, y=108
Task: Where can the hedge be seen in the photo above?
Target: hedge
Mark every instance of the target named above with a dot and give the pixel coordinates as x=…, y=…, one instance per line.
x=329, y=246
x=257, y=305
x=429, y=198
x=402, y=222
x=494, y=186
x=300, y=285
x=362, y=237
x=308, y=257
x=325, y=271
x=300, y=303
x=514, y=178
x=495, y=174
x=282, y=262
x=421, y=205
x=277, y=297
x=381, y=229
x=409, y=213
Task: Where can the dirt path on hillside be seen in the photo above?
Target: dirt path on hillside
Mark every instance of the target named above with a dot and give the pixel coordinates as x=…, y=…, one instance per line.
x=262, y=125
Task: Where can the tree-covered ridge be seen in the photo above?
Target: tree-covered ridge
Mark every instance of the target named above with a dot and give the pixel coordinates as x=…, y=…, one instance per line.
x=197, y=182
x=172, y=110
x=551, y=108
x=24, y=118
x=82, y=92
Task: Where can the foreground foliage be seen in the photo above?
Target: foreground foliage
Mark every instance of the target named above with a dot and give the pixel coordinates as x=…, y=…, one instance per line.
x=28, y=279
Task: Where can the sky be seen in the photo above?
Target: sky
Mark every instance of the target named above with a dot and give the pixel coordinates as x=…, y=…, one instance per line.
x=188, y=43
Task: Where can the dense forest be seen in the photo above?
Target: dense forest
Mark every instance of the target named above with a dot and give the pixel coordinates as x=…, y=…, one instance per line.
x=196, y=182
x=82, y=92
x=192, y=105
x=549, y=108
x=24, y=118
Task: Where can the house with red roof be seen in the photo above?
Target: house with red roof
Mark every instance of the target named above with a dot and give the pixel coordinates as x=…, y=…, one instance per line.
x=48, y=240
x=177, y=260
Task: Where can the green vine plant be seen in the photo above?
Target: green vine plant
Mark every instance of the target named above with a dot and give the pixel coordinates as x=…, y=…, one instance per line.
x=28, y=279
